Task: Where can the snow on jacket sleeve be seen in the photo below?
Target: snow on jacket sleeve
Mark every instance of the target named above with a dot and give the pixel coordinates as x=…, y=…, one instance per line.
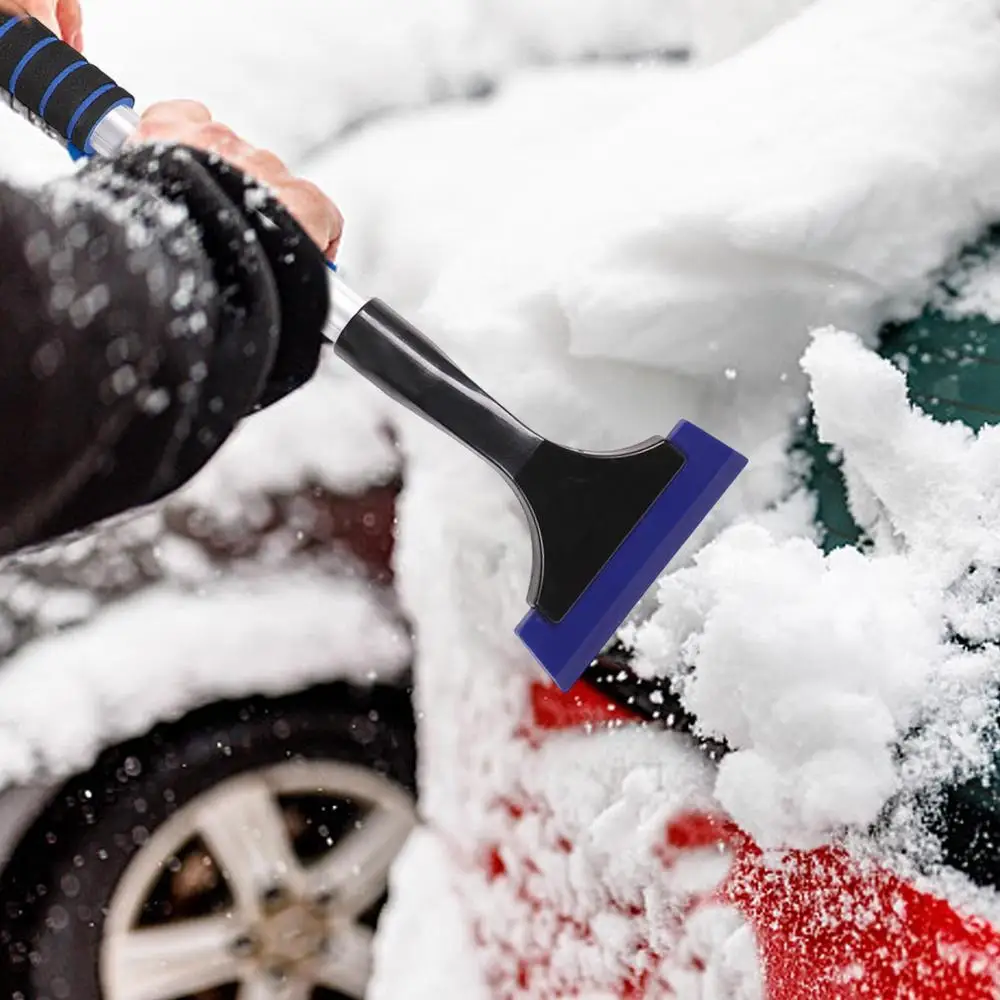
x=147, y=305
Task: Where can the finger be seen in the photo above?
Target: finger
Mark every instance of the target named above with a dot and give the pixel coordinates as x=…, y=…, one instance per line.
x=70, y=19
x=334, y=222
x=314, y=212
x=336, y=234
x=265, y=166
x=330, y=251
x=41, y=10
x=320, y=218
x=175, y=112
x=162, y=131
x=215, y=137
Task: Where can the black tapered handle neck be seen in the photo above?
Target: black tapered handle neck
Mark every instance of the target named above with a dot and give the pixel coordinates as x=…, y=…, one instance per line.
x=402, y=362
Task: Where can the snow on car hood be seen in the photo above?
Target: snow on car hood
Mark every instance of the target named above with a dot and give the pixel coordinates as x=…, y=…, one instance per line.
x=167, y=650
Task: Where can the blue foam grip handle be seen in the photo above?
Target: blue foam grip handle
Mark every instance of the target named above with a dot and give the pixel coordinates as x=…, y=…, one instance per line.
x=53, y=85
x=565, y=649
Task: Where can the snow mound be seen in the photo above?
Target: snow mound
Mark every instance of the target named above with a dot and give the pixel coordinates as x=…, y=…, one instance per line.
x=915, y=484
x=808, y=666
x=820, y=177
x=294, y=79
x=814, y=667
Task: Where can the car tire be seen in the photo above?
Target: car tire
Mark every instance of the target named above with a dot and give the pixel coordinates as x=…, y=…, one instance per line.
x=337, y=763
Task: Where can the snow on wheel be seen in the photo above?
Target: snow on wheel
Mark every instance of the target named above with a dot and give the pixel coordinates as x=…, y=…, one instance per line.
x=242, y=854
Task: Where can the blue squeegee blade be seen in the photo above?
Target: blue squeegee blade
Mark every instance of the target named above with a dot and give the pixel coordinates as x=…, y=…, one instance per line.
x=566, y=648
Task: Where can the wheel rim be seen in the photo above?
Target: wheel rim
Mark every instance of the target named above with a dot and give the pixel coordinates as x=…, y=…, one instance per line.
x=272, y=921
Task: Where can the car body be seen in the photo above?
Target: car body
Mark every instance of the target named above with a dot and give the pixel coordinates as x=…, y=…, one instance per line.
x=204, y=704
x=720, y=917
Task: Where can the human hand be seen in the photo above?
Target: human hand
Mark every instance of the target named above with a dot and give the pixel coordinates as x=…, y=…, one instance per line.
x=190, y=123
x=63, y=17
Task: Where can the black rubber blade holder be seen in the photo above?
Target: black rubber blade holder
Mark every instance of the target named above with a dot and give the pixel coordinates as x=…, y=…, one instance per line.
x=584, y=506
x=54, y=82
x=579, y=506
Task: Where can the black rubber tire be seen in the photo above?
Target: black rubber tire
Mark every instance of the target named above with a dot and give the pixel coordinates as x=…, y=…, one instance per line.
x=100, y=817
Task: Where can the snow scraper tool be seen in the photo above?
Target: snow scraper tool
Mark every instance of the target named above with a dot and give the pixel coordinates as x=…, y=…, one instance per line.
x=603, y=526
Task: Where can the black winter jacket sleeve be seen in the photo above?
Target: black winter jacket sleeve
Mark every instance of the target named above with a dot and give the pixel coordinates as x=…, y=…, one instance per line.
x=147, y=305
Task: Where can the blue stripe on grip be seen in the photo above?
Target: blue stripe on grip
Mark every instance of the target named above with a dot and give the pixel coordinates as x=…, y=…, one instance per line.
x=12, y=23
x=47, y=96
x=26, y=58
x=78, y=114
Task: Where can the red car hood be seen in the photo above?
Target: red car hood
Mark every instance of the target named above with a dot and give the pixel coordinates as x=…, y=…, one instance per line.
x=828, y=926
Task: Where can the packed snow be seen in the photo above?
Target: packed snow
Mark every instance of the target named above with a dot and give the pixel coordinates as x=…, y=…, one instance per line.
x=420, y=885
x=607, y=249
x=244, y=634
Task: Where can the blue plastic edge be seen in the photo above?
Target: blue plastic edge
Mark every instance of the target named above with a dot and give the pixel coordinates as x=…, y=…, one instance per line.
x=15, y=20
x=54, y=85
x=81, y=108
x=565, y=649
x=25, y=59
